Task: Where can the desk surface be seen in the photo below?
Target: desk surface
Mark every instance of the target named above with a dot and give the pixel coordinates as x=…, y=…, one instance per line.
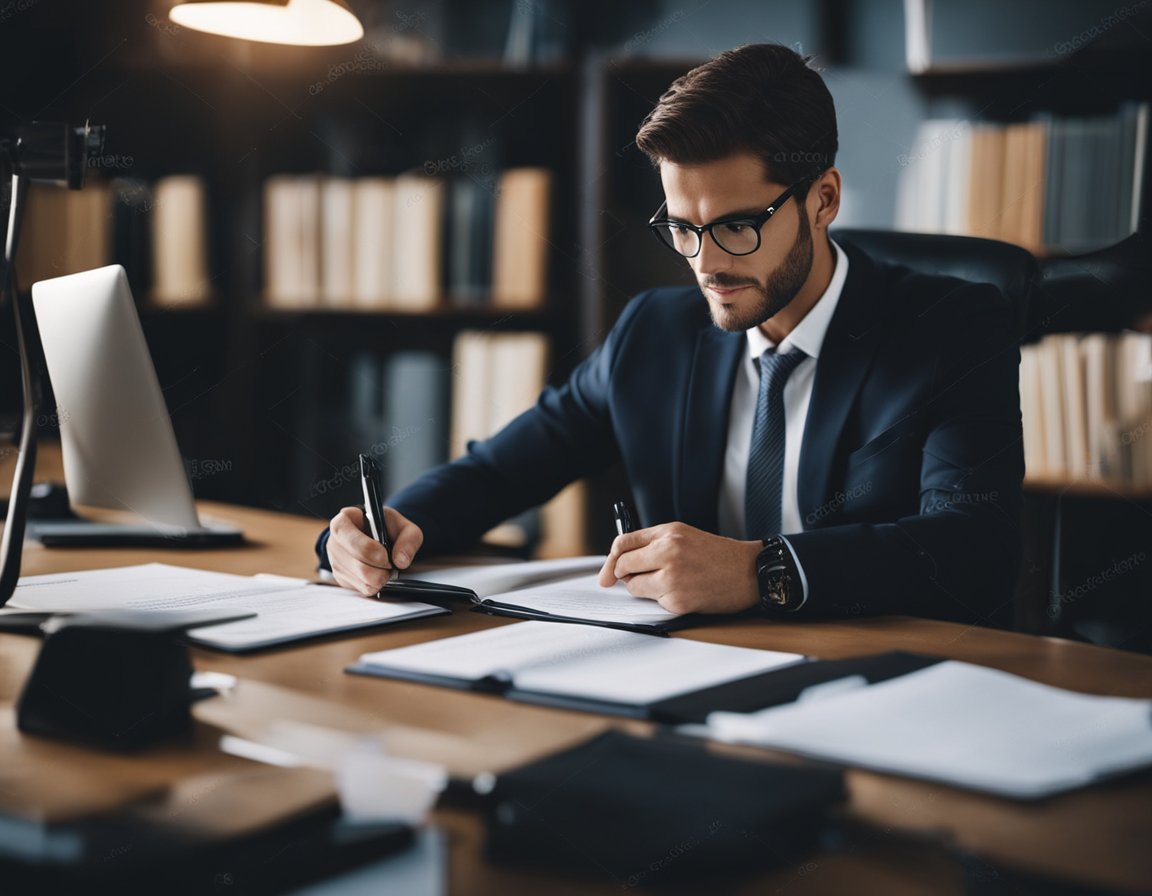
x=913, y=831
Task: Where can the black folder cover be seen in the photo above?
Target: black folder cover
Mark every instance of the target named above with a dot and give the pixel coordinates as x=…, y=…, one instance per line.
x=646, y=809
x=784, y=685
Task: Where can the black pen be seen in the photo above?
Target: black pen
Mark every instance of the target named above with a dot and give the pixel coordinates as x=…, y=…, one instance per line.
x=374, y=508
x=625, y=517
x=374, y=512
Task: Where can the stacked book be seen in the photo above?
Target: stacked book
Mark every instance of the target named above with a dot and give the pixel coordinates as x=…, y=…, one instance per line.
x=1065, y=185
x=1086, y=401
x=410, y=243
x=158, y=231
x=496, y=377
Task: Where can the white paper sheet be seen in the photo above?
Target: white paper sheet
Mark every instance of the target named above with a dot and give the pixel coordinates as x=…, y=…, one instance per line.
x=285, y=612
x=497, y=578
x=582, y=597
x=961, y=724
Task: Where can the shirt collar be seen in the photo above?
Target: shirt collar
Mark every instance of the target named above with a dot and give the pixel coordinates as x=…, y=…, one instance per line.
x=808, y=335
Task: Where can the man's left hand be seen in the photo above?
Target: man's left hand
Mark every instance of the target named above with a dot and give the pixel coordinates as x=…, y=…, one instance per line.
x=684, y=569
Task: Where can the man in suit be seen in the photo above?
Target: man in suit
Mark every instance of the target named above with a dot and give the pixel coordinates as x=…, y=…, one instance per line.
x=807, y=434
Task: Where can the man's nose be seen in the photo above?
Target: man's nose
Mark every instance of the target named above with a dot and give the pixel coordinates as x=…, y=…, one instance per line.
x=711, y=258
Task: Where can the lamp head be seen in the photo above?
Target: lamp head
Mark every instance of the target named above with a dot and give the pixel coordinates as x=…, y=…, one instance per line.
x=312, y=23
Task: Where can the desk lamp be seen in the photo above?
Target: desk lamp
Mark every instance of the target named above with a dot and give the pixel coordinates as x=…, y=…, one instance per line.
x=310, y=23
x=46, y=153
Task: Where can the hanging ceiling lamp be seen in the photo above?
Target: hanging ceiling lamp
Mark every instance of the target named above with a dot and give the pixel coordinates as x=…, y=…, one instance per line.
x=311, y=23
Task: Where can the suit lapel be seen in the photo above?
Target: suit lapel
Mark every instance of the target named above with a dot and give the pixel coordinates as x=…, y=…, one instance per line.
x=849, y=347
x=700, y=463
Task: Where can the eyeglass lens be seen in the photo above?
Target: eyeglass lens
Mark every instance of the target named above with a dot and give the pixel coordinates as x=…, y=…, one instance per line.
x=736, y=237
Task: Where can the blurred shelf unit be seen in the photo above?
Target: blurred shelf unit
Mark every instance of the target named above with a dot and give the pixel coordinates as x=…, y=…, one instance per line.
x=1054, y=185
x=406, y=216
x=329, y=234
x=1086, y=401
x=1038, y=135
x=157, y=230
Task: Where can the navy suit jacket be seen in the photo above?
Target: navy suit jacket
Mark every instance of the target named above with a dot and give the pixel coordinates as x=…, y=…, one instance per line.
x=911, y=464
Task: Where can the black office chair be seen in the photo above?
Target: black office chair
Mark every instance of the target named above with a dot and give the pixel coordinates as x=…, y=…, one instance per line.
x=1105, y=290
x=1017, y=274
x=1013, y=269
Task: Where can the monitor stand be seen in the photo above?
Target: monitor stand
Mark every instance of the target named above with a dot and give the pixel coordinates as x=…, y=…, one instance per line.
x=77, y=533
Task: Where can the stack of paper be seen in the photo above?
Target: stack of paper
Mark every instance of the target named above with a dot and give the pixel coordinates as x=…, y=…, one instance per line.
x=964, y=725
x=287, y=609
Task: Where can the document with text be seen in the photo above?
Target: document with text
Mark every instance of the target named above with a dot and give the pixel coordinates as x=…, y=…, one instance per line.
x=286, y=609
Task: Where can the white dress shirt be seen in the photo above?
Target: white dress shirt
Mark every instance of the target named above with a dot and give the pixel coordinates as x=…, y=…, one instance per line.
x=808, y=336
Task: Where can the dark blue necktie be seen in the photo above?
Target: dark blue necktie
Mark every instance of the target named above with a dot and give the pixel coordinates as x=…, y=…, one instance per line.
x=765, y=484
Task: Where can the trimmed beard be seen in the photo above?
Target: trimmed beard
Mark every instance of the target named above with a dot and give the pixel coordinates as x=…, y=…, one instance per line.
x=777, y=291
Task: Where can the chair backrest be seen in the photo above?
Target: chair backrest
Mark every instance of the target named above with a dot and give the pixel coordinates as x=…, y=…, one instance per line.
x=1013, y=269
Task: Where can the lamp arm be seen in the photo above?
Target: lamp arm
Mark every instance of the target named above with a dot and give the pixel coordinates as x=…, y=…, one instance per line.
x=31, y=378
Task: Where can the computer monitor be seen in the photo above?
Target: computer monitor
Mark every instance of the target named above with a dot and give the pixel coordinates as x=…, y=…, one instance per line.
x=121, y=461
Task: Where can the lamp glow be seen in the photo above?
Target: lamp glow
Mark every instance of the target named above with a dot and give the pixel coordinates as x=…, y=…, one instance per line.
x=311, y=23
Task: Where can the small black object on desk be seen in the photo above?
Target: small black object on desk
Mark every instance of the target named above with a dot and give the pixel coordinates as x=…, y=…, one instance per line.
x=649, y=810
x=119, y=680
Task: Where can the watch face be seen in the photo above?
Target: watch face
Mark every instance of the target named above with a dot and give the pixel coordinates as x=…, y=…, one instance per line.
x=776, y=590
x=775, y=577
x=778, y=594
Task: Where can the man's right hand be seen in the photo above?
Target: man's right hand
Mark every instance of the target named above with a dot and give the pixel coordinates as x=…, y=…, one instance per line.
x=359, y=562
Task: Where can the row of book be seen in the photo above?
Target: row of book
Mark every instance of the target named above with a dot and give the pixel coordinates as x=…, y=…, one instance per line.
x=158, y=231
x=1052, y=184
x=413, y=410
x=1086, y=401
x=411, y=243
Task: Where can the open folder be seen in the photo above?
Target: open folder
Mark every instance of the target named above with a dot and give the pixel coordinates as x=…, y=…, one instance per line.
x=545, y=590
x=576, y=667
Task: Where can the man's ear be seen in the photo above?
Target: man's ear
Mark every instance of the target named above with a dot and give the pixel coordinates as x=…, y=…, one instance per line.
x=824, y=199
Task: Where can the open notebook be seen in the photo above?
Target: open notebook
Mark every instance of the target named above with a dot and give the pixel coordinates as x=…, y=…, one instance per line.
x=546, y=590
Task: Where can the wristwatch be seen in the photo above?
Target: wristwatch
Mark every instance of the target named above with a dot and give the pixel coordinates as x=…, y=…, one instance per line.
x=778, y=577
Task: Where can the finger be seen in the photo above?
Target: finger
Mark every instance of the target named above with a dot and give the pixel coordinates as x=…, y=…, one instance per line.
x=607, y=577
x=621, y=544
x=352, y=573
x=630, y=541
x=345, y=581
x=640, y=560
x=350, y=539
x=407, y=537
x=644, y=585
x=358, y=561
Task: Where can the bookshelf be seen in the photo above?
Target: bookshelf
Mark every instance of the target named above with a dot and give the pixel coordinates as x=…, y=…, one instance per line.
x=231, y=116
x=1083, y=380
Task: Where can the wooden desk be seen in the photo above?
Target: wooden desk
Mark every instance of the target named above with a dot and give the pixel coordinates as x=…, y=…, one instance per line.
x=914, y=830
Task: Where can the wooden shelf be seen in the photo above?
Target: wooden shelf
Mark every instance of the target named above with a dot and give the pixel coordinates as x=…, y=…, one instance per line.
x=1089, y=488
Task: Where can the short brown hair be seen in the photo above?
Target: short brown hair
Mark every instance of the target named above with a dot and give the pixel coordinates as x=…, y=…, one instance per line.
x=761, y=98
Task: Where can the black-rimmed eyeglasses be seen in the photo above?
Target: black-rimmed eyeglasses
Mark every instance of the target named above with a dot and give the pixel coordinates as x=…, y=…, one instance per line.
x=735, y=235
